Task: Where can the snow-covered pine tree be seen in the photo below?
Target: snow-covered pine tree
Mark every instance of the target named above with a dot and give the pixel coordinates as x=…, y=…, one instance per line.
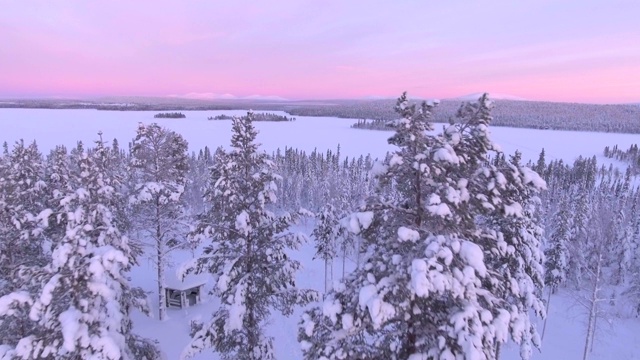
x=111, y=163
x=193, y=189
x=515, y=250
x=77, y=306
x=541, y=163
x=621, y=250
x=633, y=292
x=556, y=264
x=602, y=233
x=425, y=291
x=119, y=165
x=21, y=190
x=4, y=160
x=57, y=172
x=21, y=241
x=578, y=243
x=74, y=154
x=372, y=314
x=500, y=217
x=58, y=181
x=246, y=252
x=160, y=163
x=326, y=234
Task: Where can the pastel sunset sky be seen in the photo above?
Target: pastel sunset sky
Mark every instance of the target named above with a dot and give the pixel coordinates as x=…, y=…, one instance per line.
x=558, y=50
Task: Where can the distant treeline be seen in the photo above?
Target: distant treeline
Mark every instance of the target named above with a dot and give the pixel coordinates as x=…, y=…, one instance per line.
x=521, y=114
x=374, y=124
x=171, y=115
x=220, y=117
x=630, y=156
x=152, y=107
x=256, y=117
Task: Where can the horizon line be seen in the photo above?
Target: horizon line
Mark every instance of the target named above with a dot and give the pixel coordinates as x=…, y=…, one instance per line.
x=278, y=99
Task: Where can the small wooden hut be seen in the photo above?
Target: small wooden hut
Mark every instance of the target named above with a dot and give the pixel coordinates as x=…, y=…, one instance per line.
x=182, y=294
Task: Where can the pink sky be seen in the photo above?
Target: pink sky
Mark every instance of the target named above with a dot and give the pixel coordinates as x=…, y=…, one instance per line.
x=559, y=50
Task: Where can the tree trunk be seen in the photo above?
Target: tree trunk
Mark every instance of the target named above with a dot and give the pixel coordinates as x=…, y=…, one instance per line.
x=544, y=327
x=595, y=328
x=418, y=199
x=326, y=275
x=358, y=253
x=344, y=260
x=331, y=273
x=411, y=333
x=593, y=310
x=162, y=300
x=253, y=336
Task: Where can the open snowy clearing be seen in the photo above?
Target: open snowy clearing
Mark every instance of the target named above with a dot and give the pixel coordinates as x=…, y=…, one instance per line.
x=565, y=329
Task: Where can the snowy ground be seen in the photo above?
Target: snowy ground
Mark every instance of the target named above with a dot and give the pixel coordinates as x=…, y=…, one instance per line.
x=564, y=338
x=565, y=329
x=173, y=334
x=615, y=338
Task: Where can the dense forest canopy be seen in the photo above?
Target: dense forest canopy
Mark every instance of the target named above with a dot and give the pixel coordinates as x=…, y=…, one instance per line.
x=170, y=115
x=447, y=230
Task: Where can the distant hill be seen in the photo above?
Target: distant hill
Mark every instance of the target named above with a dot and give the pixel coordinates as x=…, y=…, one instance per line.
x=494, y=96
x=213, y=96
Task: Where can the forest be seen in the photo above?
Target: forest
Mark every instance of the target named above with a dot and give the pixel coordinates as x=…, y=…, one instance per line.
x=522, y=114
x=459, y=247
x=256, y=117
x=170, y=115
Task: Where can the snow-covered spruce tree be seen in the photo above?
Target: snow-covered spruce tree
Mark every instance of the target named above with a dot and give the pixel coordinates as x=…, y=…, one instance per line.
x=4, y=161
x=621, y=251
x=556, y=252
x=246, y=252
x=541, y=164
x=633, y=292
x=515, y=249
x=578, y=243
x=78, y=308
x=21, y=240
x=113, y=163
x=123, y=183
x=110, y=162
x=160, y=164
x=74, y=155
x=21, y=191
x=500, y=217
x=326, y=234
x=58, y=180
x=371, y=317
x=428, y=289
x=601, y=233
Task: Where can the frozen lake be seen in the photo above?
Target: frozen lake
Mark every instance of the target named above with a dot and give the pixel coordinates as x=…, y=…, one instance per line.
x=53, y=127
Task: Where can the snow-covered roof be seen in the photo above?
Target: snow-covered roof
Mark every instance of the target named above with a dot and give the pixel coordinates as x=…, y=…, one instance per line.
x=171, y=281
